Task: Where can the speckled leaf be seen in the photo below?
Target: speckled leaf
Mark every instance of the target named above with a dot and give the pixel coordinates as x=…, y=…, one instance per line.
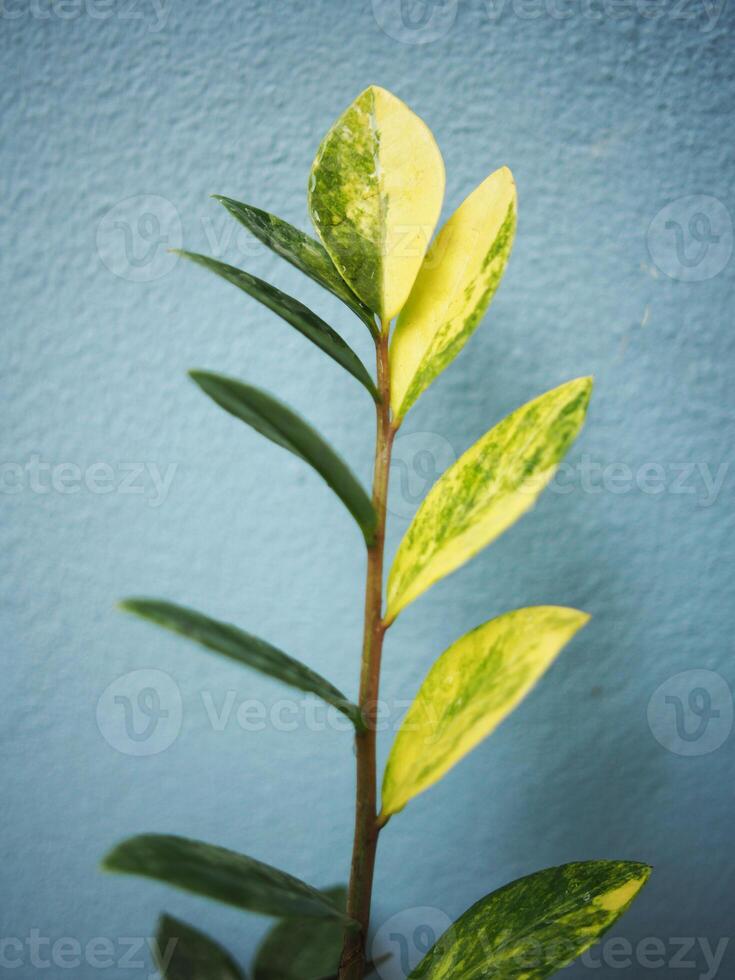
x=242, y=647
x=278, y=423
x=289, y=309
x=455, y=284
x=375, y=193
x=302, y=251
x=222, y=875
x=537, y=925
x=302, y=949
x=184, y=953
x=471, y=688
x=486, y=490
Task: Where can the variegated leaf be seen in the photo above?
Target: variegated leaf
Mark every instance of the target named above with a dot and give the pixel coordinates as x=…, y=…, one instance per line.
x=375, y=193
x=486, y=490
x=301, y=250
x=455, y=284
x=471, y=688
x=537, y=925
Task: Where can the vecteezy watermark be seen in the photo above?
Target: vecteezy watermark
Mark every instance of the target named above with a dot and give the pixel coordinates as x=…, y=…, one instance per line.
x=153, y=13
x=691, y=713
x=135, y=236
x=41, y=952
x=691, y=238
x=426, y=21
x=403, y=940
x=36, y=475
x=417, y=462
x=140, y=713
x=415, y=21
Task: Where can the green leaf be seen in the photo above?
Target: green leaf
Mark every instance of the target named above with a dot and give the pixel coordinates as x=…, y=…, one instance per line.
x=222, y=875
x=471, y=688
x=278, y=423
x=184, y=953
x=375, y=193
x=305, y=253
x=535, y=926
x=246, y=649
x=302, y=949
x=293, y=312
x=486, y=490
x=455, y=284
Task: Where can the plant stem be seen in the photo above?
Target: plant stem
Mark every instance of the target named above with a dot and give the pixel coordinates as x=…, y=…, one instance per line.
x=366, y=825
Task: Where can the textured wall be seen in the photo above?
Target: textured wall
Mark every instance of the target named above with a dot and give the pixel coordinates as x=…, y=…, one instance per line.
x=607, y=111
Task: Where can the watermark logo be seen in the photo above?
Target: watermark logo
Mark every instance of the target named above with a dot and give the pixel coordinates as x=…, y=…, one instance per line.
x=135, y=236
x=140, y=713
x=417, y=462
x=691, y=239
x=415, y=21
x=403, y=941
x=691, y=713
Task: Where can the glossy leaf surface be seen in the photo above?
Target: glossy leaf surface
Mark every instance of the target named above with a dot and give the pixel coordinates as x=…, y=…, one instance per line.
x=301, y=250
x=471, y=688
x=246, y=649
x=535, y=926
x=457, y=280
x=486, y=490
x=293, y=312
x=222, y=875
x=375, y=193
x=281, y=425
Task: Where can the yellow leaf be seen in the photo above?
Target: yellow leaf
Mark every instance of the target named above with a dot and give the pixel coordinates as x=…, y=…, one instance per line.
x=375, y=193
x=486, y=490
x=457, y=280
x=471, y=688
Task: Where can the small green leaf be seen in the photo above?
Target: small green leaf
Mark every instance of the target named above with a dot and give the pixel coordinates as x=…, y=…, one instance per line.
x=242, y=647
x=375, y=193
x=278, y=423
x=302, y=949
x=486, y=490
x=302, y=251
x=471, y=688
x=455, y=284
x=184, y=953
x=293, y=312
x=535, y=926
x=222, y=875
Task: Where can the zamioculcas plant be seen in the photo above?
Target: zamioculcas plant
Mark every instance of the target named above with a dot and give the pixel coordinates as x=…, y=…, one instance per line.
x=375, y=192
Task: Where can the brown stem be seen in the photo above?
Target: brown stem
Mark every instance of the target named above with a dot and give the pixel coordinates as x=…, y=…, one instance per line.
x=352, y=966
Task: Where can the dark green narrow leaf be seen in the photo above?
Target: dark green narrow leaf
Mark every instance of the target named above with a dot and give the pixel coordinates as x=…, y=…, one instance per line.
x=302, y=251
x=232, y=642
x=302, y=949
x=533, y=927
x=293, y=312
x=278, y=423
x=222, y=875
x=184, y=953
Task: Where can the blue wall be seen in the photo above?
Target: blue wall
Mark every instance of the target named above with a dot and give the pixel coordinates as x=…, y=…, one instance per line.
x=119, y=120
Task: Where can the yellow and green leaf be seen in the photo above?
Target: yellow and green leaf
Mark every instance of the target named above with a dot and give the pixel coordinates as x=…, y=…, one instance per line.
x=486, y=490
x=468, y=692
x=535, y=926
x=375, y=192
x=455, y=284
